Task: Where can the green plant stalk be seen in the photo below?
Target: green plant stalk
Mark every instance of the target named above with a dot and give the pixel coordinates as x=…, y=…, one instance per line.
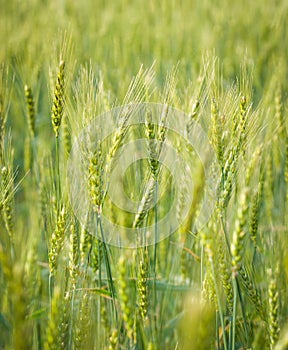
x=236, y=279
x=58, y=179
x=155, y=252
x=107, y=264
x=156, y=226
x=235, y=288
x=99, y=283
x=39, y=336
x=51, y=287
x=217, y=332
x=219, y=304
x=242, y=307
x=72, y=321
x=230, y=332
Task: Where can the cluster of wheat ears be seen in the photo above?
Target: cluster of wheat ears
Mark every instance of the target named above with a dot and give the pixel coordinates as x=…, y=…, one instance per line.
x=64, y=286
x=220, y=285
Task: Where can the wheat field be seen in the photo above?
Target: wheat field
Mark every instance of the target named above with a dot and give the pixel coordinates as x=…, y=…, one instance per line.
x=143, y=174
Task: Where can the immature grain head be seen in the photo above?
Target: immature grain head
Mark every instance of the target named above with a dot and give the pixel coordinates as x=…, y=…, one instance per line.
x=273, y=312
x=142, y=288
x=57, y=241
x=7, y=204
x=225, y=275
x=125, y=302
x=113, y=340
x=239, y=233
x=57, y=328
x=95, y=178
x=58, y=101
x=30, y=110
x=73, y=255
x=216, y=131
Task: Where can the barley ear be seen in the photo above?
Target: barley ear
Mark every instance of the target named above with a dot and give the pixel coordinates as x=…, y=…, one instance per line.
x=125, y=303
x=58, y=101
x=95, y=178
x=81, y=339
x=216, y=131
x=142, y=288
x=57, y=328
x=30, y=111
x=113, y=340
x=7, y=203
x=239, y=233
x=73, y=256
x=57, y=241
x=273, y=308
